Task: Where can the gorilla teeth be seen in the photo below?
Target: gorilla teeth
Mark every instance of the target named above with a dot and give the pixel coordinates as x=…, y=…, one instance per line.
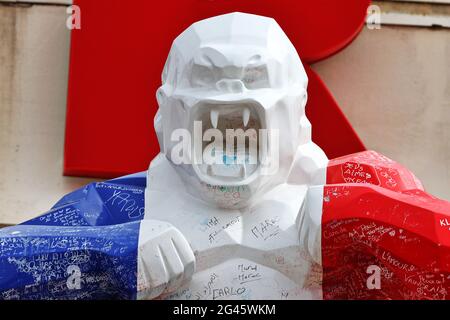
x=243, y=172
x=214, y=118
x=246, y=116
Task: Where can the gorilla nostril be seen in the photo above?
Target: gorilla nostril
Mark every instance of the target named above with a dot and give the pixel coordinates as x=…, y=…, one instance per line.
x=237, y=86
x=221, y=85
x=230, y=86
x=304, y=100
x=255, y=59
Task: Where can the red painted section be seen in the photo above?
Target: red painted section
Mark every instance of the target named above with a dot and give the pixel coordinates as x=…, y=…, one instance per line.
x=372, y=168
x=384, y=224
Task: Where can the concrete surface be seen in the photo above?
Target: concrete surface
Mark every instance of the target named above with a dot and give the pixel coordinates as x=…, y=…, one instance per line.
x=34, y=47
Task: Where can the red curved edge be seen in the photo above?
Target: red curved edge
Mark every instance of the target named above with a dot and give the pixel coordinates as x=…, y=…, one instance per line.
x=339, y=47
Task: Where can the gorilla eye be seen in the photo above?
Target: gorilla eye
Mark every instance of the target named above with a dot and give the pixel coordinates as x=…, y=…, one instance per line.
x=256, y=77
x=202, y=76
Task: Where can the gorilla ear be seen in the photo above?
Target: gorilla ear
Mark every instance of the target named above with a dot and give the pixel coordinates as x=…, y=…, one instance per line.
x=255, y=59
x=161, y=96
x=305, y=99
x=157, y=123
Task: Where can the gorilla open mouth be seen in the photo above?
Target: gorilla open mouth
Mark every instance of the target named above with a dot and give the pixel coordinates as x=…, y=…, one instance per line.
x=237, y=156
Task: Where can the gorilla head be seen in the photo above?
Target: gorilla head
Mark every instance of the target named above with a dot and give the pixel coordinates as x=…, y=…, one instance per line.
x=232, y=108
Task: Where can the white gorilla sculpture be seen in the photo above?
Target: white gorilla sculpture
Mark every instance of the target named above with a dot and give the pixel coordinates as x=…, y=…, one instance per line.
x=232, y=229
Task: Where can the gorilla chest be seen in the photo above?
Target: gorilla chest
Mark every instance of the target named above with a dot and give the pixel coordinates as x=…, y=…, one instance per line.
x=254, y=254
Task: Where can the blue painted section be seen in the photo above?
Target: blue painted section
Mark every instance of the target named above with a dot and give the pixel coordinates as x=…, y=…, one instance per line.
x=85, y=247
x=99, y=204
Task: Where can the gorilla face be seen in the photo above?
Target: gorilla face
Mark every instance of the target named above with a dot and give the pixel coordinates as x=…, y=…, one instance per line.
x=236, y=85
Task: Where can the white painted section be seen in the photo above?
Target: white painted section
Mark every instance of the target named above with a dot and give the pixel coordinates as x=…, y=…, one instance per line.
x=311, y=224
x=243, y=229
x=254, y=252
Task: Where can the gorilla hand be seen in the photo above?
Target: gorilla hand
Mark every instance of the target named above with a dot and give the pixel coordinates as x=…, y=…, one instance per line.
x=166, y=261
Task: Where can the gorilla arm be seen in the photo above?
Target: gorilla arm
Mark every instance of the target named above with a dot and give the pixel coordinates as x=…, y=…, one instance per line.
x=140, y=259
x=377, y=234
